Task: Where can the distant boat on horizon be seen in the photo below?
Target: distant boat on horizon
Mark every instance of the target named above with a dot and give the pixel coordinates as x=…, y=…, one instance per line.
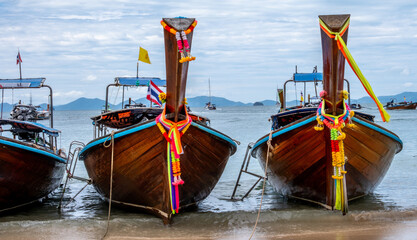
x=394, y=105
x=210, y=105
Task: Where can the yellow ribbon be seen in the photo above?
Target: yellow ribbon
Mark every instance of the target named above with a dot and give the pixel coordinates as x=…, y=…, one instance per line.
x=345, y=51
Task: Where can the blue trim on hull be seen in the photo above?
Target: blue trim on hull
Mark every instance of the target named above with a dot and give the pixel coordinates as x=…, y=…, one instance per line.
x=284, y=130
x=309, y=120
x=217, y=134
x=151, y=124
x=380, y=130
x=117, y=135
x=26, y=148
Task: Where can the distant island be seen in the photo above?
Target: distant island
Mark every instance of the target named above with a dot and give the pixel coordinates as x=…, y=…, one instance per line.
x=200, y=101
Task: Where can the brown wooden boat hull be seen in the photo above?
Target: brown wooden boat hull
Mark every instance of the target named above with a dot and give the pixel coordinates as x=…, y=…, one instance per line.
x=140, y=177
x=405, y=106
x=297, y=163
x=27, y=174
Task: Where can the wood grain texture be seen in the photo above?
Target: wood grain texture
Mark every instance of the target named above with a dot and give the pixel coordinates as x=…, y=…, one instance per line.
x=140, y=168
x=176, y=72
x=333, y=62
x=26, y=176
x=297, y=165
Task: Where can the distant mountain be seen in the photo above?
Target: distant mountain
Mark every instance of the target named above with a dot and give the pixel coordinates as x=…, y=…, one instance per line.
x=200, y=101
x=269, y=102
x=83, y=104
x=7, y=108
x=409, y=96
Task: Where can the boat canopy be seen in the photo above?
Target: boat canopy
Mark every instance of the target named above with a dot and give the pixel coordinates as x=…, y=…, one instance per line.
x=21, y=83
x=308, y=77
x=140, y=81
x=30, y=127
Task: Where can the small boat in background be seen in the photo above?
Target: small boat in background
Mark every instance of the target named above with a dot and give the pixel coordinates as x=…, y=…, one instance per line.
x=31, y=164
x=168, y=163
x=394, y=105
x=355, y=106
x=317, y=161
x=210, y=105
x=23, y=112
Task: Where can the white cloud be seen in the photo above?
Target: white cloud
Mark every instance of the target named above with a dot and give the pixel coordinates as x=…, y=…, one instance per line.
x=90, y=78
x=242, y=45
x=69, y=94
x=408, y=84
x=405, y=71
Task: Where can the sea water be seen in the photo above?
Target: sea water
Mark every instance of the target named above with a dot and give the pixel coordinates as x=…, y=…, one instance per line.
x=389, y=213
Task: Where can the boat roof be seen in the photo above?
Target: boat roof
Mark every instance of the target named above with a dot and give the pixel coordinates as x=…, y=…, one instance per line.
x=30, y=126
x=140, y=81
x=308, y=77
x=21, y=83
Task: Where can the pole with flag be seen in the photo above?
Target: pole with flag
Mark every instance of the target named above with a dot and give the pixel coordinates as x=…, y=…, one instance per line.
x=143, y=57
x=19, y=61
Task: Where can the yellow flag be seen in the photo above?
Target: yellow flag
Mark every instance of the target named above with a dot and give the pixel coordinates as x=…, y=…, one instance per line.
x=143, y=55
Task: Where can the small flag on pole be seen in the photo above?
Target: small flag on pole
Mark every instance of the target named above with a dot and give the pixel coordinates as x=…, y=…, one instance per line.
x=18, y=58
x=153, y=93
x=143, y=55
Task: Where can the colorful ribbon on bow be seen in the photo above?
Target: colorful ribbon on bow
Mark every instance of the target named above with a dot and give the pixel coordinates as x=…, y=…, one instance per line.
x=345, y=51
x=174, y=150
x=336, y=124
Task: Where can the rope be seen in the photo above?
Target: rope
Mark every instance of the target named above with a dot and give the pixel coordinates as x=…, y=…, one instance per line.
x=111, y=177
x=263, y=185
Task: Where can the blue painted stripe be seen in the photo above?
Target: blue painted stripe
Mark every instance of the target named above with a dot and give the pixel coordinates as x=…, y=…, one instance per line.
x=217, y=134
x=117, y=135
x=35, y=150
x=309, y=120
x=148, y=125
x=380, y=130
x=284, y=130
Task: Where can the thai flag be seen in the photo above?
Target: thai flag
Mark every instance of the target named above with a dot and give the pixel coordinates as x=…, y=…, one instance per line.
x=18, y=58
x=153, y=93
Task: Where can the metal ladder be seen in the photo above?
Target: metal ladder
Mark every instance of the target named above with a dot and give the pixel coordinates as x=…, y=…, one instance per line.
x=244, y=169
x=73, y=155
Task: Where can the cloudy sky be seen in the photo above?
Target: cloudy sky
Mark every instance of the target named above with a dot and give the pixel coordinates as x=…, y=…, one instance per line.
x=246, y=47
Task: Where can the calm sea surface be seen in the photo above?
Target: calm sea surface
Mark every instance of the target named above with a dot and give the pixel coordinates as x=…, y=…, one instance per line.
x=389, y=213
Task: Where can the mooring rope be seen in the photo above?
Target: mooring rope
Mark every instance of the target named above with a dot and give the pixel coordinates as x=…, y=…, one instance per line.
x=111, y=177
x=263, y=185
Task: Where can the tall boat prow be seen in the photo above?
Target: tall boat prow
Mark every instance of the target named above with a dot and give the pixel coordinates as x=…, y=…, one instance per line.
x=176, y=71
x=328, y=155
x=167, y=163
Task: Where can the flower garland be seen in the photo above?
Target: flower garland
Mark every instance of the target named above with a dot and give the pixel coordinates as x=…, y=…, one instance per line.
x=174, y=150
x=162, y=97
x=336, y=124
x=182, y=38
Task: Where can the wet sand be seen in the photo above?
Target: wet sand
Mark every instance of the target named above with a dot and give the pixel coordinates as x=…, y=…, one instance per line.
x=361, y=225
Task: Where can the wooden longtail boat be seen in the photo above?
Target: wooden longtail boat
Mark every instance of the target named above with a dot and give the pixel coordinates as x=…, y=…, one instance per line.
x=31, y=166
x=141, y=172
x=400, y=105
x=300, y=162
